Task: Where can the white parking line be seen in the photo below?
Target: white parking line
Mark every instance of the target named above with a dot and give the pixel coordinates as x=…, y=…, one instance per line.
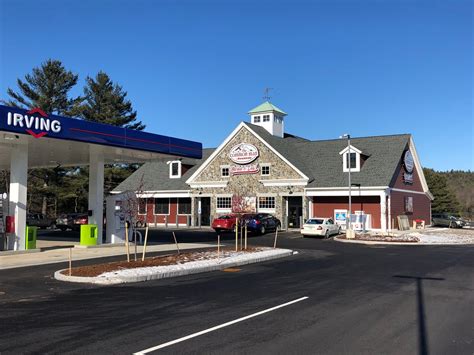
x=164, y=345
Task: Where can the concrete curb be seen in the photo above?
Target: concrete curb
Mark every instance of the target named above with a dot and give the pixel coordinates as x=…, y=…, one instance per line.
x=376, y=242
x=278, y=253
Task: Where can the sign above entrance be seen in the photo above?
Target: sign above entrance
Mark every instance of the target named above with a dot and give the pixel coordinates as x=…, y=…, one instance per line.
x=243, y=153
x=244, y=169
x=39, y=124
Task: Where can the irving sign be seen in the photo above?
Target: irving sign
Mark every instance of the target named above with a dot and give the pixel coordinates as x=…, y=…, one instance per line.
x=31, y=122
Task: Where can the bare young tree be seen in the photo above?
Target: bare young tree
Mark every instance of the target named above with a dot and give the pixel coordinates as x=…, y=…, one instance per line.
x=132, y=205
x=242, y=204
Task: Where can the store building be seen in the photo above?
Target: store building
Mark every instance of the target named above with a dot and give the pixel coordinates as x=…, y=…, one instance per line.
x=261, y=168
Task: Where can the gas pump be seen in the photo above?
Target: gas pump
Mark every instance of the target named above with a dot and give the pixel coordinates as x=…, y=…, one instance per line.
x=115, y=227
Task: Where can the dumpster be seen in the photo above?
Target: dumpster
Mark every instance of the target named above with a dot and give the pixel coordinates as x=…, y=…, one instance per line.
x=89, y=234
x=31, y=233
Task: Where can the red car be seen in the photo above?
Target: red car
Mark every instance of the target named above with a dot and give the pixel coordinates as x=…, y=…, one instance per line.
x=224, y=223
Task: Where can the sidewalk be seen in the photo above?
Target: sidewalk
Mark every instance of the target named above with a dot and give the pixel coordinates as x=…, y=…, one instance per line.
x=61, y=255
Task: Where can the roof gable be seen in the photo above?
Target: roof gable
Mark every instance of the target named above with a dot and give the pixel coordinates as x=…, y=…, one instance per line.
x=251, y=135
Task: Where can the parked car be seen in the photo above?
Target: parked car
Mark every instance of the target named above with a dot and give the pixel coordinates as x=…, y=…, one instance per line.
x=62, y=222
x=447, y=220
x=71, y=221
x=224, y=223
x=261, y=222
x=320, y=226
x=40, y=220
x=78, y=220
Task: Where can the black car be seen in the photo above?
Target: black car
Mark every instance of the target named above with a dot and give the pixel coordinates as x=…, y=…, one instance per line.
x=261, y=222
x=447, y=220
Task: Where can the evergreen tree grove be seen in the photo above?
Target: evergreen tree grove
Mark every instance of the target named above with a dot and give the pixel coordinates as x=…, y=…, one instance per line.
x=444, y=198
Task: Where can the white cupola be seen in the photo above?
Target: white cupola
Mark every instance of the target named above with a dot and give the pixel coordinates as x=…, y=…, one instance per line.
x=269, y=117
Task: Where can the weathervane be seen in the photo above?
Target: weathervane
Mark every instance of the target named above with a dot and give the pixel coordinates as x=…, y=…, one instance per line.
x=266, y=93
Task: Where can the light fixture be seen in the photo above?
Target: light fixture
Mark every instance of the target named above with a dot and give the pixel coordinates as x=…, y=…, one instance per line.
x=10, y=137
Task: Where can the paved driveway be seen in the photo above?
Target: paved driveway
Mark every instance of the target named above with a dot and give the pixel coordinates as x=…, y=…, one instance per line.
x=360, y=299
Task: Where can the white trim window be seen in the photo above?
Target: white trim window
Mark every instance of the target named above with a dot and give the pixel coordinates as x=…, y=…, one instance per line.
x=256, y=119
x=354, y=159
x=265, y=169
x=142, y=206
x=184, y=206
x=225, y=171
x=266, y=118
x=224, y=203
x=175, y=169
x=161, y=206
x=266, y=203
x=408, y=204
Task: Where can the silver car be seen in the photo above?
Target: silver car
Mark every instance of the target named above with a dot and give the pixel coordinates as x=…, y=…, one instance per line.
x=447, y=220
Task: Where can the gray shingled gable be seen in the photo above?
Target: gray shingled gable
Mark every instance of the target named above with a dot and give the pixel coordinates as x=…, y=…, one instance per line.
x=319, y=160
x=383, y=155
x=156, y=176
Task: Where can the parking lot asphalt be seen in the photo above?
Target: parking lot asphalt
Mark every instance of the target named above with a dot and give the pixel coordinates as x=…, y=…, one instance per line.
x=360, y=299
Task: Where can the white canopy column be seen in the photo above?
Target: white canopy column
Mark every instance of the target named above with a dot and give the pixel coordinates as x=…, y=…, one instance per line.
x=96, y=188
x=18, y=184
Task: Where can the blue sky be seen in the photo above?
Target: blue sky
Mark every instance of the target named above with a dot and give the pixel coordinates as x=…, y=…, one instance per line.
x=194, y=68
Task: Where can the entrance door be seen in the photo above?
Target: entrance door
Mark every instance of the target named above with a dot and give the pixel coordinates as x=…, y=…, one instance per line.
x=205, y=211
x=295, y=211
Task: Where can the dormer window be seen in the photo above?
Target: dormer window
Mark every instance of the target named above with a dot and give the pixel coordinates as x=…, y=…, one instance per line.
x=266, y=118
x=175, y=169
x=352, y=160
x=256, y=119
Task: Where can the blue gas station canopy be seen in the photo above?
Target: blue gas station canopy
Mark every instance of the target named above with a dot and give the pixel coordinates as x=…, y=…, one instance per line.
x=54, y=140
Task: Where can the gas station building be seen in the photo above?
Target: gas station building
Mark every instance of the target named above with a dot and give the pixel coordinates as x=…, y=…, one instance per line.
x=35, y=139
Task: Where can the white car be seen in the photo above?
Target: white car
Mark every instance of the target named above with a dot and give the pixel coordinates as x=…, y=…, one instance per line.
x=320, y=226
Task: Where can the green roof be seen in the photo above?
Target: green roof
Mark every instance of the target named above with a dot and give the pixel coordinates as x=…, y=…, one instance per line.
x=265, y=107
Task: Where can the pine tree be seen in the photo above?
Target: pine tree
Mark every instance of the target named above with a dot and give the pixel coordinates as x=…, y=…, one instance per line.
x=444, y=198
x=106, y=102
x=47, y=87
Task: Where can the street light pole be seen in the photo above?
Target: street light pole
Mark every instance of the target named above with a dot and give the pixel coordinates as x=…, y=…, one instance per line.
x=349, y=178
x=348, y=162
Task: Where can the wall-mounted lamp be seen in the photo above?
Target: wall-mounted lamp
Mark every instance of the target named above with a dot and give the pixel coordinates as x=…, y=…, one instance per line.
x=10, y=137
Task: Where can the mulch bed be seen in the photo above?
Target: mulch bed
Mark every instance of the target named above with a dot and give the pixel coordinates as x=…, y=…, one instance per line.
x=96, y=270
x=384, y=238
